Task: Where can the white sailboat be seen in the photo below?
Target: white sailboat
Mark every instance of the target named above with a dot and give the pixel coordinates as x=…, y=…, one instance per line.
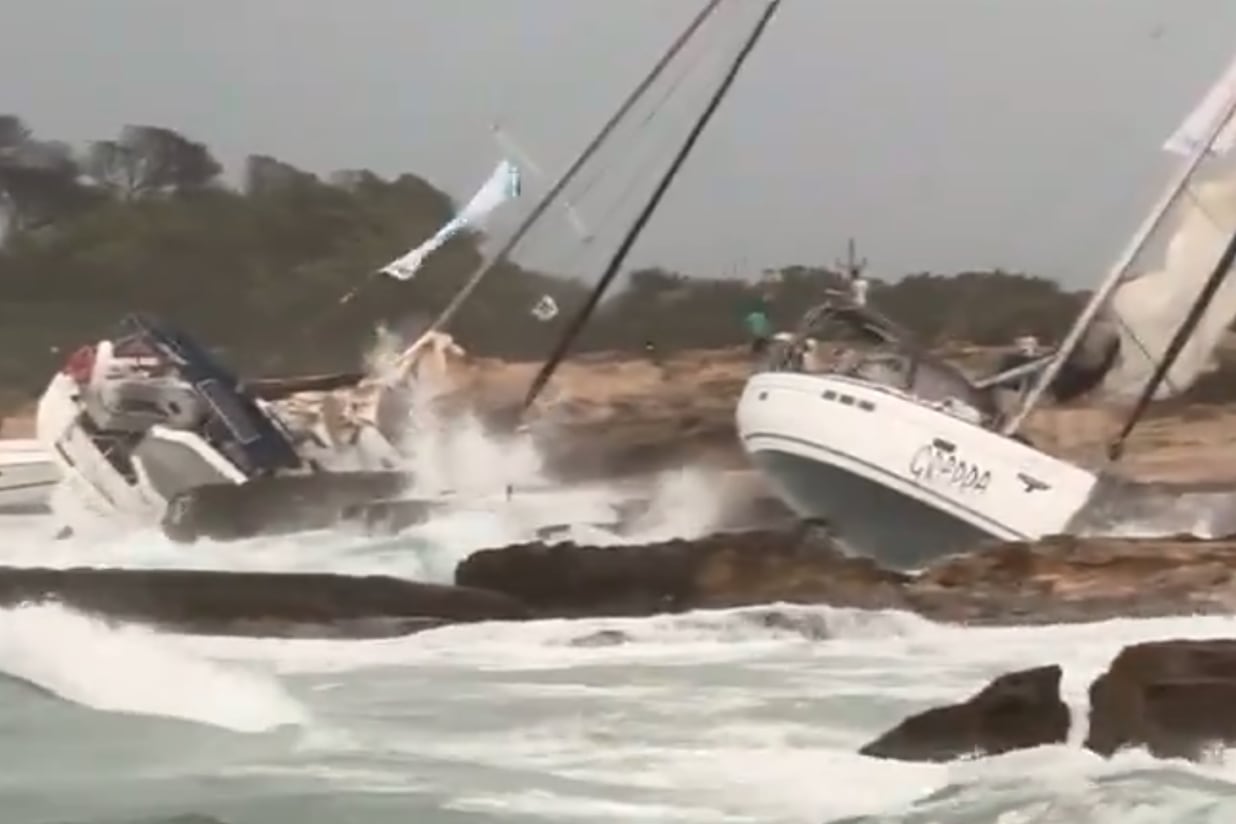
x=907, y=459
x=134, y=422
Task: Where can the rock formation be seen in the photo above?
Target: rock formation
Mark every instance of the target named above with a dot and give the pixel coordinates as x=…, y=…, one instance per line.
x=722, y=570
x=257, y=603
x=1015, y=711
x=1176, y=698
x=1054, y=580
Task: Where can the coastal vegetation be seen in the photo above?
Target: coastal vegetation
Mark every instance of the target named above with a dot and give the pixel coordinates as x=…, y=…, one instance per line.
x=146, y=221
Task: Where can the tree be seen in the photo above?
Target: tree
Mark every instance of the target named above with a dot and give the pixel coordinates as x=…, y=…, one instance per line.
x=13, y=131
x=39, y=181
x=266, y=175
x=259, y=270
x=150, y=160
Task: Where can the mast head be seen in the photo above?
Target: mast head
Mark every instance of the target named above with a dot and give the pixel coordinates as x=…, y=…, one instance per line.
x=852, y=267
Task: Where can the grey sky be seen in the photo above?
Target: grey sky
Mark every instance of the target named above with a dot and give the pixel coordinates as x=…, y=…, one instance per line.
x=944, y=134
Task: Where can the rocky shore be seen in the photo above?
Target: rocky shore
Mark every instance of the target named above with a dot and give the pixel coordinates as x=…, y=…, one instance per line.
x=1061, y=579
x=1172, y=697
x=1052, y=581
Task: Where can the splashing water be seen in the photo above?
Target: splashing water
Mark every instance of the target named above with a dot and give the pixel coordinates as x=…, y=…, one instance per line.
x=132, y=669
x=704, y=717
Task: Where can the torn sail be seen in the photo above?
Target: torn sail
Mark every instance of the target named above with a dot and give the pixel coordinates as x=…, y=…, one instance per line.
x=503, y=185
x=1168, y=277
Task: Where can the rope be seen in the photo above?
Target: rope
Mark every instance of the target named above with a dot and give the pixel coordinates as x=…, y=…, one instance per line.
x=638, y=167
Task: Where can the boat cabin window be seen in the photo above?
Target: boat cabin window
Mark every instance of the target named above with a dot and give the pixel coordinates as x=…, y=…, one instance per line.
x=858, y=342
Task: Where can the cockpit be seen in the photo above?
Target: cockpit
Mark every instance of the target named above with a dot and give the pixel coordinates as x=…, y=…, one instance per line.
x=843, y=338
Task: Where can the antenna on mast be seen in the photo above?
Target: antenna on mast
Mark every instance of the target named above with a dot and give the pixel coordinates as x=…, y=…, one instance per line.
x=852, y=267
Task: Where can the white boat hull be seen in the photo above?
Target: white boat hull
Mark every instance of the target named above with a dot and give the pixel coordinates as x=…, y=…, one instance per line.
x=27, y=476
x=897, y=479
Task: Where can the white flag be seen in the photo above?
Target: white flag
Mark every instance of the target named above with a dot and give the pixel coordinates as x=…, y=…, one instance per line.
x=503, y=185
x=1201, y=120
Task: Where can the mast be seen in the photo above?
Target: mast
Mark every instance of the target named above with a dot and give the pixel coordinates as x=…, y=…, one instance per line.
x=537, y=211
x=615, y=264
x=1101, y=295
x=852, y=266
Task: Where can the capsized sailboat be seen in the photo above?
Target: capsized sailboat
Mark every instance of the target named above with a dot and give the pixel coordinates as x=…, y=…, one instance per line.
x=907, y=459
x=139, y=423
x=148, y=428
x=147, y=414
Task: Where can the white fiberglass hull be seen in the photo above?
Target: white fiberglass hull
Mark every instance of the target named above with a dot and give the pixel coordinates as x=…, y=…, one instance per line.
x=94, y=489
x=101, y=492
x=27, y=476
x=897, y=479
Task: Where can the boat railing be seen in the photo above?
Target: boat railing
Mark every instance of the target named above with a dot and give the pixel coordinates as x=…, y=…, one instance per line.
x=841, y=338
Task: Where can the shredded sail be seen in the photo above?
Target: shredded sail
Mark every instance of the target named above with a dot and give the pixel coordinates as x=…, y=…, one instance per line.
x=1166, y=279
x=503, y=185
x=1194, y=128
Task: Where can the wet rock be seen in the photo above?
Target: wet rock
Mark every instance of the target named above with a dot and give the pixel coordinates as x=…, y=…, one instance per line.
x=1054, y=580
x=723, y=570
x=1068, y=578
x=602, y=638
x=1015, y=711
x=258, y=603
x=1176, y=698
x=810, y=625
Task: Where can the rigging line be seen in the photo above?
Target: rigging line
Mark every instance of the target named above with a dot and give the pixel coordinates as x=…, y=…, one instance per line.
x=642, y=165
x=615, y=264
x=537, y=211
x=687, y=69
x=1222, y=269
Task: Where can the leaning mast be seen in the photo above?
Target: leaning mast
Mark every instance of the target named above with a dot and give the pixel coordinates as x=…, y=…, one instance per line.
x=628, y=241
x=447, y=314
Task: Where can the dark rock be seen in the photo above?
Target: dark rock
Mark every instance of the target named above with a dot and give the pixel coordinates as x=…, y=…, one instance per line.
x=809, y=625
x=1016, y=711
x=602, y=638
x=568, y=579
x=722, y=570
x=1057, y=579
x=1069, y=578
x=1176, y=698
x=258, y=603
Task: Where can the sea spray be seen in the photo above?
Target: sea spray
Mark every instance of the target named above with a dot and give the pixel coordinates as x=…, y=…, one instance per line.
x=132, y=669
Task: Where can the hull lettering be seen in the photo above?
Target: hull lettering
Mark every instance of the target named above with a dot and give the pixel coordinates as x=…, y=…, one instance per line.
x=932, y=466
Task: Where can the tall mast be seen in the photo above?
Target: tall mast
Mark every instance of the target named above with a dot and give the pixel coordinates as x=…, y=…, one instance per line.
x=852, y=266
x=1101, y=295
x=537, y=211
x=615, y=264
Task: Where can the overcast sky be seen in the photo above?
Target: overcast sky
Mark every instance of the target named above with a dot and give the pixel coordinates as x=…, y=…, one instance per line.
x=944, y=134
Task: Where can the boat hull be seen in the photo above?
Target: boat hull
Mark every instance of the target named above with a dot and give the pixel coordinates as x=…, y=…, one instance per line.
x=896, y=479
x=27, y=477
